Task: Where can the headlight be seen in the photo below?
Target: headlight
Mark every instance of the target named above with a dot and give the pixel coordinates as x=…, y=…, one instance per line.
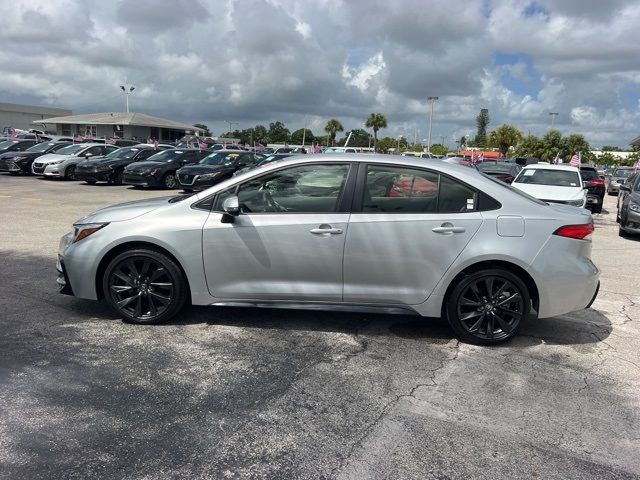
x=634, y=206
x=84, y=230
x=576, y=203
x=57, y=162
x=151, y=171
x=208, y=176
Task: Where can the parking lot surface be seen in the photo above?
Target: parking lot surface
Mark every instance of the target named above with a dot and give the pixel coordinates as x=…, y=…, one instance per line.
x=248, y=393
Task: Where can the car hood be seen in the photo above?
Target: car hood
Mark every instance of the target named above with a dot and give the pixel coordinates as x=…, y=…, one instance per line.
x=125, y=211
x=51, y=157
x=142, y=166
x=16, y=154
x=549, y=192
x=200, y=169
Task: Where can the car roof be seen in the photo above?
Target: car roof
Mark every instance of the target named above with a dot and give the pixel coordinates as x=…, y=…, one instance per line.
x=543, y=166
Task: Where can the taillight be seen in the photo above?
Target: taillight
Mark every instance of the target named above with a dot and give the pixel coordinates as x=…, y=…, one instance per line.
x=579, y=232
x=595, y=183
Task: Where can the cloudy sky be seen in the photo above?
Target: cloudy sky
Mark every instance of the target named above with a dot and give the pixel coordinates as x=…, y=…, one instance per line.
x=256, y=61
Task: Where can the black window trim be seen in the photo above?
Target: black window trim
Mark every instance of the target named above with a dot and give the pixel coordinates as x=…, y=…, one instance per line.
x=358, y=192
x=344, y=203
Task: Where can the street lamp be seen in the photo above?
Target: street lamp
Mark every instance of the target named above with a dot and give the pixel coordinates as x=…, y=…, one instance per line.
x=553, y=115
x=127, y=91
x=231, y=123
x=432, y=100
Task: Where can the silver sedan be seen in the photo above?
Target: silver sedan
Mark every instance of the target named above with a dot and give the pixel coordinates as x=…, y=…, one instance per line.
x=375, y=233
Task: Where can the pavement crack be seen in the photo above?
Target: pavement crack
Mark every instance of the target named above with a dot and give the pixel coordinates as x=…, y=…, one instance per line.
x=385, y=409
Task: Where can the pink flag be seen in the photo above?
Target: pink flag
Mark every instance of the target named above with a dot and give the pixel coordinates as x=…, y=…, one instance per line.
x=12, y=132
x=203, y=146
x=190, y=145
x=111, y=141
x=575, y=161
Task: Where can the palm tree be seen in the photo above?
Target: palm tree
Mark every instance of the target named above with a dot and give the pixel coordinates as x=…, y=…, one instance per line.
x=332, y=127
x=376, y=121
x=504, y=137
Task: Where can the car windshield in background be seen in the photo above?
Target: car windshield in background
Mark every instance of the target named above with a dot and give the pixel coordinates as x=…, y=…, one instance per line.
x=40, y=147
x=71, y=149
x=166, y=156
x=218, y=158
x=622, y=173
x=126, y=152
x=6, y=144
x=272, y=158
x=494, y=167
x=556, y=178
x=514, y=190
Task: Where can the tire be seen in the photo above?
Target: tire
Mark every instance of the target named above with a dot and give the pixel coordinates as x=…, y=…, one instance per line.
x=621, y=232
x=482, y=319
x=90, y=182
x=117, y=177
x=144, y=286
x=169, y=181
x=598, y=207
x=70, y=173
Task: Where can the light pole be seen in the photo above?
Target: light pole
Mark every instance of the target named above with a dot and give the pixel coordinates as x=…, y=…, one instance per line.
x=432, y=100
x=553, y=115
x=230, y=124
x=127, y=91
x=304, y=132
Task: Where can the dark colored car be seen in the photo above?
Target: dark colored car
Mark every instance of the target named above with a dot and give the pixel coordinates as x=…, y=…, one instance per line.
x=17, y=163
x=110, y=168
x=629, y=206
x=15, y=145
x=214, y=168
x=595, y=188
x=160, y=169
x=265, y=161
x=505, y=171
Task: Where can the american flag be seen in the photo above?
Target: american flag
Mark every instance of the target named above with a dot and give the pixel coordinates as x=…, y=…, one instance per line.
x=475, y=157
x=12, y=132
x=111, y=141
x=259, y=147
x=481, y=157
x=191, y=145
x=155, y=144
x=317, y=149
x=78, y=138
x=575, y=160
x=203, y=146
x=636, y=166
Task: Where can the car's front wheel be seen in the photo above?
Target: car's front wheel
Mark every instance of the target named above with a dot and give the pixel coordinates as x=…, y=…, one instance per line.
x=488, y=307
x=144, y=286
x=70, y=173
x=169, y=180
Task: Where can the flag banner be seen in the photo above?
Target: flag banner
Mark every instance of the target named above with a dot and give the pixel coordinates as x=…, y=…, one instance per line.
x=575, y=161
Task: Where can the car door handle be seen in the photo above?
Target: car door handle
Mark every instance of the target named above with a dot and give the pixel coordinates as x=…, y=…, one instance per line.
x=325, y=230
x=448, y=229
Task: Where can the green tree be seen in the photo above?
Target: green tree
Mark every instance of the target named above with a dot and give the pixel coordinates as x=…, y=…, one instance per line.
x=376, y=121
x=530, y=146
x=551, y=145
x=505, y=137
x=207, y=132
x=278, y=133
x=332, y=127
x=439, y=149
x=482, y=122
x=384, y=144
x=297, y=136
x=576, y=143
x=360, y=138
x=261, y=134
x=610, y=148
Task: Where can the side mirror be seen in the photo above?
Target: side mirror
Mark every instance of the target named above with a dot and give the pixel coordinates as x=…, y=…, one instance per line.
x=231, y=206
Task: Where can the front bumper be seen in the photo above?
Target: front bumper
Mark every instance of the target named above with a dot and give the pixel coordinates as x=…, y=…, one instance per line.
x=38, y=168
x=138, y=180
x=64, y=285
x=93, y=176
x=631, y=222
x=8, y=165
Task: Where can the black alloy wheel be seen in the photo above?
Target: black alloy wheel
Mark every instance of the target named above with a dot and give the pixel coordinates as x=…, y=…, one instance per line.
x=169, y=180
x=70, y=173
x=488, y=307
x=144, y=286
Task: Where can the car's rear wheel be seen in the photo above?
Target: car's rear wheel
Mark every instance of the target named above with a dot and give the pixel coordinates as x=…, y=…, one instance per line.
x=70, y=173
x=488, y=307
x=117, y=177
x=169, y=180
x=597, y=208
x=144, y=286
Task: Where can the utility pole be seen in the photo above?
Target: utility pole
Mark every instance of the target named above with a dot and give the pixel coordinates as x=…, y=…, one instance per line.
x=553, y=115
x=432, y=100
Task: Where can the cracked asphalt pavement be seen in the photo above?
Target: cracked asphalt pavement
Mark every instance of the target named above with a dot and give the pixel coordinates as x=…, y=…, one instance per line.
x=269, y=394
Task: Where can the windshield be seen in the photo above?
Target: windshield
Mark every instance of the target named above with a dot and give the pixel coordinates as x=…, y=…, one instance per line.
x=512, y=189
x=71, y=149
x=219, y=158
x=494, y=167
x=126, y=152
x=622, y=173
x=6, y=144
x=555, y=178
x=589, y=174
x=166, y=156
x=40, y=147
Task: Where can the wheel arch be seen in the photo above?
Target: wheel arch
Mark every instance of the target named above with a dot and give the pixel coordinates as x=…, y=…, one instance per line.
x=504, y=264
x=118, y=249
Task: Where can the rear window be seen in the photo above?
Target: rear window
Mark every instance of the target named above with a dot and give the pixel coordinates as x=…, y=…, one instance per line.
x=589, y=174
x=554, y=178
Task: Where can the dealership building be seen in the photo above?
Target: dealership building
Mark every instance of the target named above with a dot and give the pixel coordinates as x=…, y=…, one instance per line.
x=22, y=117
x=137, y=126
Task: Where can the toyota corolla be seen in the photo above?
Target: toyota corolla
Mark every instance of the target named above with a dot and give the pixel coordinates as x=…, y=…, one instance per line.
x=325, y=232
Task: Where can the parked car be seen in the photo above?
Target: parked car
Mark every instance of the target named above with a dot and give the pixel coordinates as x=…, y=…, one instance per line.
x=276, y=237
x=629, y=206
x=160, y=169
x=618, y=177
x=330, y=150
x=419, y=155
x=552, y=184
x=47, y=165
x=110, y=168
x=214, y=168
x=504, y=171
x=17, y=163
x=266, y=159
x=15, y=145
x=65, y=168
x=595, y=188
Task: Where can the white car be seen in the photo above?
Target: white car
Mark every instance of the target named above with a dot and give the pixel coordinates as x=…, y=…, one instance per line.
x=48, y=164
x=552, y=184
